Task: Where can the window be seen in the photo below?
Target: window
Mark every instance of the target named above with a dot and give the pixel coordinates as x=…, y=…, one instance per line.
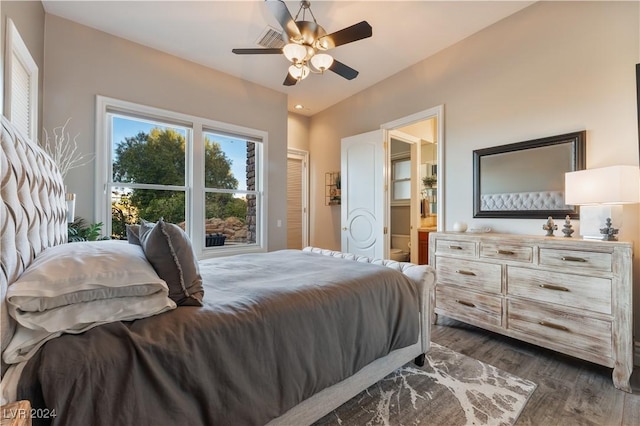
x=401, y=181
x=22, y=89
x=230, y=189
x=202, y=175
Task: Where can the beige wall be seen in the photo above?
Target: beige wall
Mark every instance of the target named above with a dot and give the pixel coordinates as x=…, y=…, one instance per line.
x=28, y=17
x=553, y=68
x=82, y=63
x=298, y=131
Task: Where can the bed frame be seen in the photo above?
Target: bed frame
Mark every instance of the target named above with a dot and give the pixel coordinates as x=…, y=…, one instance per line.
x=33, y=217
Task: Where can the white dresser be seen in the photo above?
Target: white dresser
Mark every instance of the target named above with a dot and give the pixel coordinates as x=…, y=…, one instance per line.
x=566, y=294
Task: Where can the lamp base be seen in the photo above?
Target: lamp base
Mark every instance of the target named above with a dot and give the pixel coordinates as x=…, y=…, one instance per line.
x=594, y=218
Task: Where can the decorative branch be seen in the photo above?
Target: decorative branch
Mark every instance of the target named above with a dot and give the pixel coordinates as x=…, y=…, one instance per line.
x=64, y=150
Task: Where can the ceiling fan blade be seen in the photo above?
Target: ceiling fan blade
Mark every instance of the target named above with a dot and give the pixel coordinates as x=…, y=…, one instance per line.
x=290, y=81
x=256, y=51
x=284, y=18
x=343, y=70
x=346, y=35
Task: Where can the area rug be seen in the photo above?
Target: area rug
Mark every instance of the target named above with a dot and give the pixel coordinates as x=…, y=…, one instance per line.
x=451, y=389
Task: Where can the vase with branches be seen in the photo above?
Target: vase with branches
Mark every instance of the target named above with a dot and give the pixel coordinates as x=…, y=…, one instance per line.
x=64, y=150
x=65, y=154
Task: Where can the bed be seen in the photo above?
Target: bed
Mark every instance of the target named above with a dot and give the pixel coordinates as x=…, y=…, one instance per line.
x=277, y=338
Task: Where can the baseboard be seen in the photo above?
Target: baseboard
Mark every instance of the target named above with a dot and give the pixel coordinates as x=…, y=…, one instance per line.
x=636, y=353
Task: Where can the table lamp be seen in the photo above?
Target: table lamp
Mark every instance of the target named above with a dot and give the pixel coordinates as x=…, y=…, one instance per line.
x=600, y=193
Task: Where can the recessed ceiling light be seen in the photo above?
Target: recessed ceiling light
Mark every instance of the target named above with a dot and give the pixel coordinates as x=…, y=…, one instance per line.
x=298, y=106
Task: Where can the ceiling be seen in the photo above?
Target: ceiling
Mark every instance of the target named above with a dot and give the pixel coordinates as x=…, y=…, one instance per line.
x=204, y=32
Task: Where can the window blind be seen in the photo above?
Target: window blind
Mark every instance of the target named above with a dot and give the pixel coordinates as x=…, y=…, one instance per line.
x=21, y=89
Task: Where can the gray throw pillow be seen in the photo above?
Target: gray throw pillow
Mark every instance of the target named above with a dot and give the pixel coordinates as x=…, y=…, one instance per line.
x=168, y=249
x=133, y=234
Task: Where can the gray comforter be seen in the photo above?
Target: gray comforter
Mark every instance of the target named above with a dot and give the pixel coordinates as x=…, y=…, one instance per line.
x=275, y=329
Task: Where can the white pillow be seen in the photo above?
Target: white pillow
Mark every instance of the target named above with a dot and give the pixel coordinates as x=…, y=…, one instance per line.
x=78, y=318
x=71, y=284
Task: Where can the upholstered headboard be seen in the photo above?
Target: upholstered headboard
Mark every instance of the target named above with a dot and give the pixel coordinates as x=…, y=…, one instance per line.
x=32, y=212
x=539, y=200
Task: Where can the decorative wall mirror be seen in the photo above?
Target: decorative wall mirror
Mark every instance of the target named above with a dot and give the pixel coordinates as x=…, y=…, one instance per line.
x=526, y=179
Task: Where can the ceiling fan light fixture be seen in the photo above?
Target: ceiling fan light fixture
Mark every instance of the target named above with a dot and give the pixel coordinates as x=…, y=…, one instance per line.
x=322, y=44
x=299, y=72
x=295, y=52
x=304, y=42
x=322, y=61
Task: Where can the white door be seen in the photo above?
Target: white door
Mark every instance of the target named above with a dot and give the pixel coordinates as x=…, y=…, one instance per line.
x=363, y=218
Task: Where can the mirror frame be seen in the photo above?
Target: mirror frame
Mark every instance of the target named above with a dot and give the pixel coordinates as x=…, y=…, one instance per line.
x=578, y=162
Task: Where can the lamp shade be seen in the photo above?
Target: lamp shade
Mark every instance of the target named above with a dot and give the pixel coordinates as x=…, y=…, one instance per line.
x=294, y=52
x=321, y=61
x=606, y=185
x=299, y=72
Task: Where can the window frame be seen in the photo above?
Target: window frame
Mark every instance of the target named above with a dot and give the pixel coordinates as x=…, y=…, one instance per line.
x=194, y=173
x=16, y=50
x=394, y=161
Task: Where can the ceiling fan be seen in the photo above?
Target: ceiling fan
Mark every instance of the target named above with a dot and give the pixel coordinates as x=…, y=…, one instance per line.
x=307, y=41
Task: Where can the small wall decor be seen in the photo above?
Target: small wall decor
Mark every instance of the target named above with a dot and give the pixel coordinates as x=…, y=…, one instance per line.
x=567, y=228
x=332, y=189
x=550, y=226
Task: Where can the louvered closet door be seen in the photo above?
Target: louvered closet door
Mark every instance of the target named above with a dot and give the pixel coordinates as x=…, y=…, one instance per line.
x=294, y=203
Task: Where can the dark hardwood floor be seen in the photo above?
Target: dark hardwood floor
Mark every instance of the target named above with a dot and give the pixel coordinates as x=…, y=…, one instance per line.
x=570, y=391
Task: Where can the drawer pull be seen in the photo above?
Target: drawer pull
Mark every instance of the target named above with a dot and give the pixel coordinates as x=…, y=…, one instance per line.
x=552, y=325
x=469, y=304
x=509, y=252
x=554, y=287
x=573, y=259
x=463, y=272
x=455, y=247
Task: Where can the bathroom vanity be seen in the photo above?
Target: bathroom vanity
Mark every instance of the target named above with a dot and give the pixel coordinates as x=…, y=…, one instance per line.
x=423, y=244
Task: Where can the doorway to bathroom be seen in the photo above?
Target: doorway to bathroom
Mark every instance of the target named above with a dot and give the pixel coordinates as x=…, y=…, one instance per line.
x=415, y=159
x=367, y=185
x=402, y=167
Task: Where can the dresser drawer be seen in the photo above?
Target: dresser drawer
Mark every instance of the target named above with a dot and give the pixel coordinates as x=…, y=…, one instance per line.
x=506, y=252
x=468, y=305
x=576, y=291
x=562, y=329
x=469, y=273
x=589, y=261
x=456, y=247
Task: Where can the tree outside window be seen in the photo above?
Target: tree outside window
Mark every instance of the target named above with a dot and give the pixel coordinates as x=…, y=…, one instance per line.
x=147, y=161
